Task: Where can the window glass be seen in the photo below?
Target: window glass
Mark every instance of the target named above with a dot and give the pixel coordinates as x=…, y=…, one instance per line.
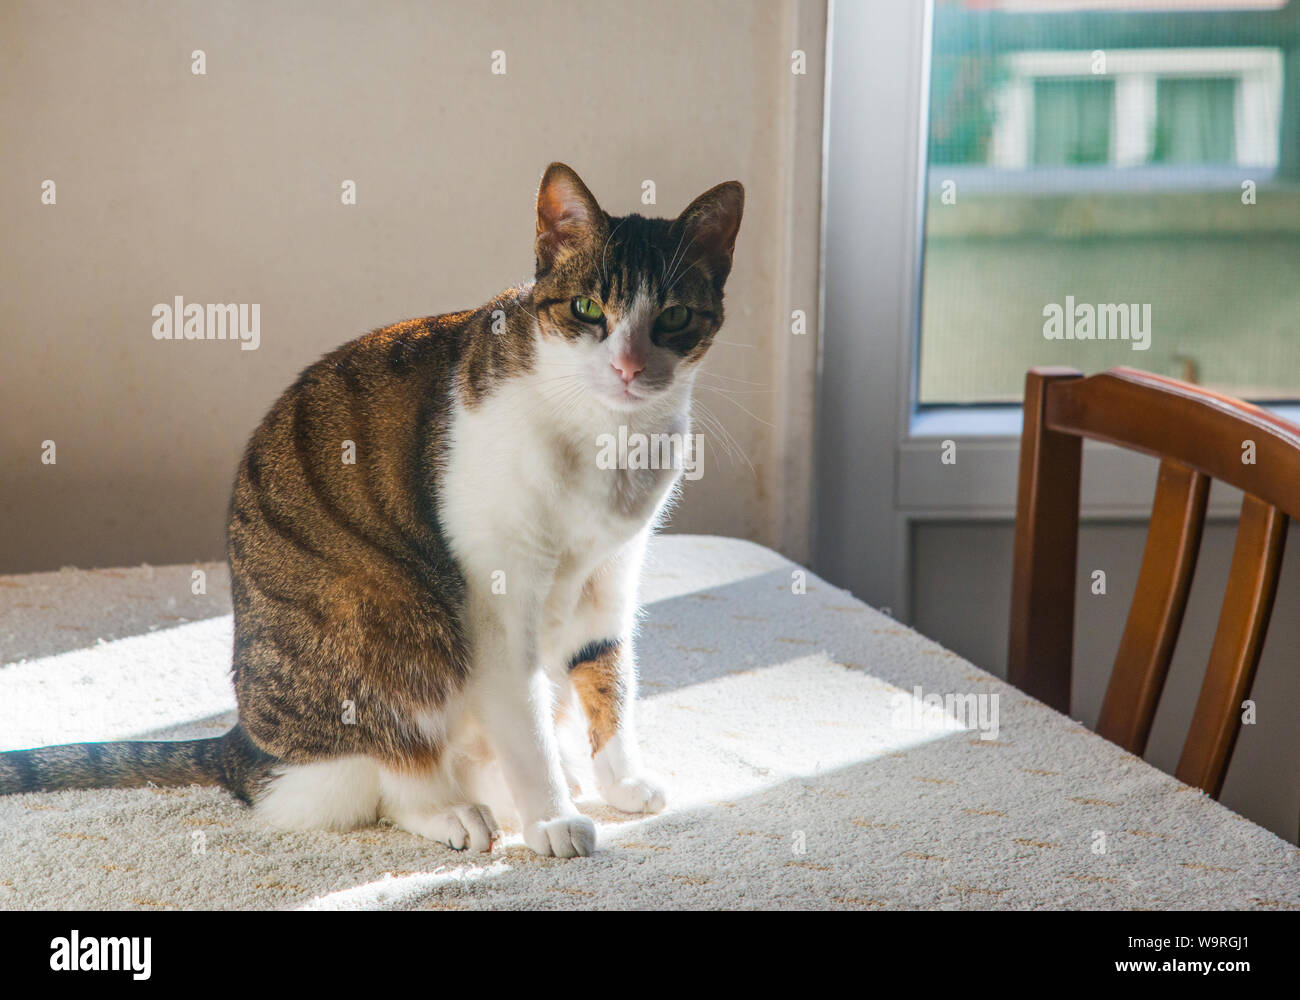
x=1112, y=183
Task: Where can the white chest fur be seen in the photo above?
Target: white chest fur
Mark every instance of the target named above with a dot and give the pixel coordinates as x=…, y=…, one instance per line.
x=532, y=509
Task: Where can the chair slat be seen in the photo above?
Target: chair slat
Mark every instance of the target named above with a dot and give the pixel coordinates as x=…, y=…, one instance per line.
x=1238, y=642
x=1156, y=614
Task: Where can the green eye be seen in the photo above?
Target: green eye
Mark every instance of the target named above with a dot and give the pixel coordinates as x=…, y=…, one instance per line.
x=587, y=310
x=673, y=319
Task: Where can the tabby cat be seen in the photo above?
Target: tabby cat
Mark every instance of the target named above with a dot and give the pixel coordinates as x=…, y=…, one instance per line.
x=411, y=625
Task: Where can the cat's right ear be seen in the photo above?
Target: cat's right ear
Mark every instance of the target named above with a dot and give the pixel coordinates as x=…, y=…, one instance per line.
x=567, y=216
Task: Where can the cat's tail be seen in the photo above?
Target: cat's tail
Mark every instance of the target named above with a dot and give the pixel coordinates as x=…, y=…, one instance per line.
x=232, y=761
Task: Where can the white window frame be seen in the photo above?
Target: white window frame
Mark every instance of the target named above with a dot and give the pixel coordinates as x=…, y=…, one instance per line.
x=879, y=472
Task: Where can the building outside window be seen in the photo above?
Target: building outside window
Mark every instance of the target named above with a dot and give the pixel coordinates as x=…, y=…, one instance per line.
x=1093, y=154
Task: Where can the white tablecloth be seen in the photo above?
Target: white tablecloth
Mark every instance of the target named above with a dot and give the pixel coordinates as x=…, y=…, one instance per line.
x=789, y=720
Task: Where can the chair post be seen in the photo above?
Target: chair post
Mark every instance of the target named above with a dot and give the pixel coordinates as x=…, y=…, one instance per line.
x=1041, y=642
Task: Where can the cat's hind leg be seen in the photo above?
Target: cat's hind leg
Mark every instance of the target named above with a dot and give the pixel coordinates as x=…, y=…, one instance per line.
x=337, y=794
x=429, y=803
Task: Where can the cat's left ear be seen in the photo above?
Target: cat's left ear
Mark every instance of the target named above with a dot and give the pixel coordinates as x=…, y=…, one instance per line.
x=568, y=217
x=711, y=223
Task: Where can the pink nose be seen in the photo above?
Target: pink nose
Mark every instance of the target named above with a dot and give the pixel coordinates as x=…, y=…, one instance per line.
x=628, y=369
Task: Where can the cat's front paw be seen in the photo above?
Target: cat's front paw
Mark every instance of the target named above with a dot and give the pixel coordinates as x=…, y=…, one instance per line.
x=569, y=837
x=635, y=795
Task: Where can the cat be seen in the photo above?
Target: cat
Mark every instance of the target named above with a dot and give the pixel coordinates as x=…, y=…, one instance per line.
x=411, y=625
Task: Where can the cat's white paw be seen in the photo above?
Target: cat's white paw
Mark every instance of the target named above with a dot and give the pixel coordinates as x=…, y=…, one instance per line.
x=635, y=795
x=569, y=837
x=471, y=826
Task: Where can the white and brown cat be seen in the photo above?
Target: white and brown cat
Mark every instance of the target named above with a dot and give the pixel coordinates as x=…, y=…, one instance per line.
x=409, y=626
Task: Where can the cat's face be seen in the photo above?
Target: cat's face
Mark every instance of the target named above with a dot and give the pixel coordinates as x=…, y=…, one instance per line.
x=629, y=305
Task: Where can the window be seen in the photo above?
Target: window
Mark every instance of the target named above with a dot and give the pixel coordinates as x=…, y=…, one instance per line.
x=1072, y=121
x=1194, y=121
x=1112, y=182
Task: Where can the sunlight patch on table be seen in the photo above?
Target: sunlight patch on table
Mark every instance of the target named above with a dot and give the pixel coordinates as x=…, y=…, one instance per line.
x=116, y=689
x=395, y=890
x=731, y=737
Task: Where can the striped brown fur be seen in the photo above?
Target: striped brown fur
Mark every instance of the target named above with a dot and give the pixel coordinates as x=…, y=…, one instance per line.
x=231, y=761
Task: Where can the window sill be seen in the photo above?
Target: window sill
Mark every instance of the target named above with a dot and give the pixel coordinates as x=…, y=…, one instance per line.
x=995, y=421
x=966, y=421
x=980, y=480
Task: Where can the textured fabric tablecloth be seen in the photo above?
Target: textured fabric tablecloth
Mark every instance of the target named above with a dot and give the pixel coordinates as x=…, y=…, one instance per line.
x=784, y=714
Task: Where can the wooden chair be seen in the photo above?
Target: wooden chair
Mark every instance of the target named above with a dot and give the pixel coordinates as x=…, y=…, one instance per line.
x=1198, y=436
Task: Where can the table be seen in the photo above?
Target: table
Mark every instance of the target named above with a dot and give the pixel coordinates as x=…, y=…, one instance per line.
x=790, y=720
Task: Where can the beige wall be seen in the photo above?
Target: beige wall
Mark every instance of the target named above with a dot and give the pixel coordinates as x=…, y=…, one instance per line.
x=226, y=188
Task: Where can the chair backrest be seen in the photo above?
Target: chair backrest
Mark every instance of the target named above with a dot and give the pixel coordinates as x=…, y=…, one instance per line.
x=1198, y=436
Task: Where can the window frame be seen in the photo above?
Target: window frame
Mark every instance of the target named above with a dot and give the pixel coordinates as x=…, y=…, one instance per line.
x=879, y=469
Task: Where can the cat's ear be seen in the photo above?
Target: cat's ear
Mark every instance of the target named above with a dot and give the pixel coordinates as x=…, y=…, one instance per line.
x=710, y=224
x=567, y=216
